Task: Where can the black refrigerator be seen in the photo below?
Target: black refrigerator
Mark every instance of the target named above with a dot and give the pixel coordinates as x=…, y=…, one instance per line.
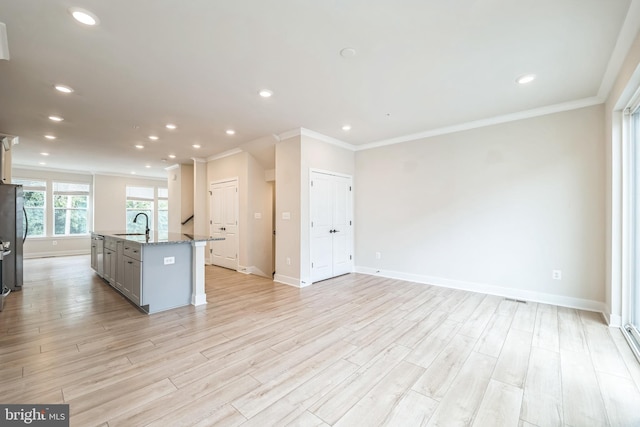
x=13, y=229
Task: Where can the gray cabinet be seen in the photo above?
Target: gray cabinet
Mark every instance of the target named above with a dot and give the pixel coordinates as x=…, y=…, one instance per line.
x=119, y=284
x=132, y=279
x=155, y=277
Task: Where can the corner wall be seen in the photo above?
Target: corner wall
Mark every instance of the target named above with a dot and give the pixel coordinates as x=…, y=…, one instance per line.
x=494, y=209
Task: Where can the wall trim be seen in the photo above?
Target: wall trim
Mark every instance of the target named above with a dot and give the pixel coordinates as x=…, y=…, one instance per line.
x=252, y=269
x=224, y=154
x=327, y=139
x=542, y=111
x=50, y=254
x=522, y=294
x=286, y=280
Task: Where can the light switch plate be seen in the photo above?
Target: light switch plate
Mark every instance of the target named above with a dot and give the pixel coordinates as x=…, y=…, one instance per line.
x=169, y=260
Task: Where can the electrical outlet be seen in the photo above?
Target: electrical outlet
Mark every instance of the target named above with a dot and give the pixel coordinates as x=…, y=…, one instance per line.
x=54, y=243
x=378, y=255
x=556, y=274
x=288, y=261
x=169, y=260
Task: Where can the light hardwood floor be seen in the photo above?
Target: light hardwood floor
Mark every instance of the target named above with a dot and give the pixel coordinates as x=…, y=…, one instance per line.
x=352, y=351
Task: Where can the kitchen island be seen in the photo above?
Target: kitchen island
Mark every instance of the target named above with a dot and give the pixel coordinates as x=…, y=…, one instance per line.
x=157, y=272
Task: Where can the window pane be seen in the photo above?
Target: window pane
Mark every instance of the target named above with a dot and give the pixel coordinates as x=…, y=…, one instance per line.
x=34, y=199
x=163, y=193
x=35, y=216
x=75, y=202
x=139, y=226
x=163, y=221
x=163, y=205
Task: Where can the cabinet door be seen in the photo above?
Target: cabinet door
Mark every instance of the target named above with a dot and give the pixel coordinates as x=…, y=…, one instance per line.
x=107, y=264
x=94, y=255
x=120, y=266
x=136, y=283
x=132, y=279
x=128, y=276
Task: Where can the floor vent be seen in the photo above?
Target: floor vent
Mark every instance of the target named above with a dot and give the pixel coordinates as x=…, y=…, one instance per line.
x=515, y=300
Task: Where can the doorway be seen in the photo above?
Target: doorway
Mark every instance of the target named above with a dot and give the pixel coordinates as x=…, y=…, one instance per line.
x=224, y=223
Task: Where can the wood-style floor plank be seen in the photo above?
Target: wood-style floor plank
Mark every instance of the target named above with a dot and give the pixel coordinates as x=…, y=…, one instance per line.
x=354, y=350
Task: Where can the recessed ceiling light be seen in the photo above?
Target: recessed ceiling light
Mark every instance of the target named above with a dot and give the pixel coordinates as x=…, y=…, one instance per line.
x=346, y=128
x=171, y=126
x=265, y=93
x=348, y=52
x=44, y=154
x=230, y=132
x=172, y=156
x=63, y=88
x=196, y=145
x=527, y=78
x=42, y=163
x=56, y=118
x=50, y=137
x=84, y=16
x=139, y=146
x=147, y=166
x=153, y=137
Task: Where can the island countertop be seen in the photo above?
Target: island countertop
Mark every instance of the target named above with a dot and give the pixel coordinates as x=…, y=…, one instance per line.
x=157, y=238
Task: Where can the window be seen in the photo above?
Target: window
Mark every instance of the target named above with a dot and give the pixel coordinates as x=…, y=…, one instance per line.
x=154, y=202
x=163, y=210
x=35, y=196
x=633, y=325
x=71, y=208
x=139, y=200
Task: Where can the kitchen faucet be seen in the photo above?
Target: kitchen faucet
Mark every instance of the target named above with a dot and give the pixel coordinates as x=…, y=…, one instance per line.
x=146, y=231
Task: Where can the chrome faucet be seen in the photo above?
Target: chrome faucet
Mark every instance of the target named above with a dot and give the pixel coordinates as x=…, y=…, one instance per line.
x=146, y=231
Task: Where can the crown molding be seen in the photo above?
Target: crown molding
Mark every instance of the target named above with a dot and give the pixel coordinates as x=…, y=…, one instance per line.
x=536, y=112
x=198, y=160
x=288, y=134
x=224, y=154
x=327, y=139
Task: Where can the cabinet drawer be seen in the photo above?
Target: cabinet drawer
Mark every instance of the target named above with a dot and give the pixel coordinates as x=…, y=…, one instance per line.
x=132, y=250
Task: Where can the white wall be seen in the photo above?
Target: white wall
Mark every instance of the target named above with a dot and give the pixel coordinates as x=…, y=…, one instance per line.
x=494, y=209
x=174, y=187
x=186, y=198
x=50, y=245
x=200, y=199
x=254, y=235
x=288, y=189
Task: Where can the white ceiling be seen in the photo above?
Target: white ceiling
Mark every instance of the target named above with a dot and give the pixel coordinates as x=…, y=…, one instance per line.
x=421, y=65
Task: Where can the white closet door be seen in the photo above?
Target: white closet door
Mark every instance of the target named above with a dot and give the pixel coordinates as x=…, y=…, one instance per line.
x=331, y=226
x=321, y=226
x=224, y=223
x=342, y=226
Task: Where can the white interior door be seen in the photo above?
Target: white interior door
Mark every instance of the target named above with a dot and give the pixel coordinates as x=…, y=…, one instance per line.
x=331, y=226
x=224, y=223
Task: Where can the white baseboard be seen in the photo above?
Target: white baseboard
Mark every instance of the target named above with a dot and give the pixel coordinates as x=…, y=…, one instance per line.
x=252, y=270
x=31, y=255
x=521, y=294
x=613, y=320
x=200, y=299
x=286, y=280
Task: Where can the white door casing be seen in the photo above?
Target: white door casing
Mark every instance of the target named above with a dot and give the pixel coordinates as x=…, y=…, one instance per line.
x=224, y=223
x=331, y=225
